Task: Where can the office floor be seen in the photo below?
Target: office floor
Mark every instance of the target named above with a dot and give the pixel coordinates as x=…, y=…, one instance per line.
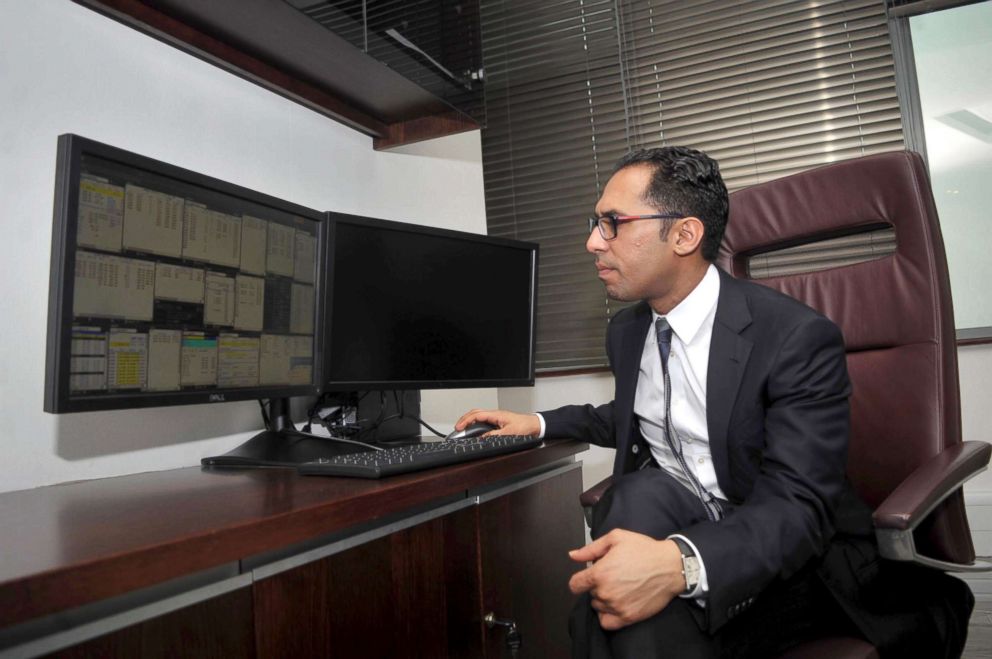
x=979, y=644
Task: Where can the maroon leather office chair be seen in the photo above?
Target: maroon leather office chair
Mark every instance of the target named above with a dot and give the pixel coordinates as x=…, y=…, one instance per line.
x=907, y=459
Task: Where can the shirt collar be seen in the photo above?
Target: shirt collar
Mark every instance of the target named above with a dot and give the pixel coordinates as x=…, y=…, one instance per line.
x=689, y=314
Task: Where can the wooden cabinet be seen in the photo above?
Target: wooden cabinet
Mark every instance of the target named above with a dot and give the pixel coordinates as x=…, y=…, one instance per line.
x=525, y=537
x=424, y=591
x=408, y=567
x=217, y=628
x=409, y=594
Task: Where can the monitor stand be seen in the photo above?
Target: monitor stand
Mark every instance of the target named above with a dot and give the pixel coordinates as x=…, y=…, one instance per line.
x=280, y=446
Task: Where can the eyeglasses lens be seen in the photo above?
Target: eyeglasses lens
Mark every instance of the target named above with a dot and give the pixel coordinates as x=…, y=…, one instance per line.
x=607, y=228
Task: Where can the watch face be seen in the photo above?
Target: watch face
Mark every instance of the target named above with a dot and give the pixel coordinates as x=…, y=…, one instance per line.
x=690, y=565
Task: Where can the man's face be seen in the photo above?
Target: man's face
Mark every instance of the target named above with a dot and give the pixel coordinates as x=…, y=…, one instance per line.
x=637, y=264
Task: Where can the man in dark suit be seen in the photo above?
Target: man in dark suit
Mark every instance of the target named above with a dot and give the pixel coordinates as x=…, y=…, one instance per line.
x=730, y=529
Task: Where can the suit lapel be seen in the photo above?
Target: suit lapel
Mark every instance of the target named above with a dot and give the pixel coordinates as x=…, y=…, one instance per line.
x=729, y=353
x=631, y=338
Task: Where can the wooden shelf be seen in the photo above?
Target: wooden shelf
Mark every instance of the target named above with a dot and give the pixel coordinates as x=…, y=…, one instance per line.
x=275, y=46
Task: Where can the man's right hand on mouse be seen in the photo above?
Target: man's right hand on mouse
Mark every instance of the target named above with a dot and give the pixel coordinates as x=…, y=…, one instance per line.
x=508, y=423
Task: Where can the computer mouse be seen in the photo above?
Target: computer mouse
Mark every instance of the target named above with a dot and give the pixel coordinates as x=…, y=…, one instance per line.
x=472, y=430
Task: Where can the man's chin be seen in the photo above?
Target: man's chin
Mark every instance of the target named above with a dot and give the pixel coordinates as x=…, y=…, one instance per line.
x=615, y=294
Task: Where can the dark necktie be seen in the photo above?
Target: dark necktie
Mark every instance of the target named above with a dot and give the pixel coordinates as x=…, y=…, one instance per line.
x=664, y=332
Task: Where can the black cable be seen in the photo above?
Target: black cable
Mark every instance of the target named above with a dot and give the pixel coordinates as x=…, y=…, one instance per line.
x=312, y=412
x=400, y=402
x=426, y=425
x=335, y=420
x=382, y=410
x=265, y=415
x=343, y=440
x=382, y=407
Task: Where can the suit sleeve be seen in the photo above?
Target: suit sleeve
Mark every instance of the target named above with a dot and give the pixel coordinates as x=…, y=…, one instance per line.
x=787, y=519
x=588, y=423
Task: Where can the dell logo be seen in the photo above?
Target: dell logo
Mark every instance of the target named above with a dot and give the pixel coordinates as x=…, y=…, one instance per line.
x=216, y=398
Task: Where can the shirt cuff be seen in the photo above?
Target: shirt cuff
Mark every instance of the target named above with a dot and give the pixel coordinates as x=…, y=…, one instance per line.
x=702, y=588
x=540, y=417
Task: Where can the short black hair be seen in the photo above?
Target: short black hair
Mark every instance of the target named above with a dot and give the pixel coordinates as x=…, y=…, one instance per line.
x=688, y=182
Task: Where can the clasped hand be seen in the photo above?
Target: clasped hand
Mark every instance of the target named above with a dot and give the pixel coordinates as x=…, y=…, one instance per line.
x=632, y=576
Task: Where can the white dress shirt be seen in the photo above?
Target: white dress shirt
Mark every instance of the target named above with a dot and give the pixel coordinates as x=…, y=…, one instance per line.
x=692, y=329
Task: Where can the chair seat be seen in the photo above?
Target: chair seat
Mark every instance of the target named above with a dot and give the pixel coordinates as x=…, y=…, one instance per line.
x=838, y=647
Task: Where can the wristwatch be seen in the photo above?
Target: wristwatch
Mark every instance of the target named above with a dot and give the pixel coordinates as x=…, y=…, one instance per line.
x=690, y=565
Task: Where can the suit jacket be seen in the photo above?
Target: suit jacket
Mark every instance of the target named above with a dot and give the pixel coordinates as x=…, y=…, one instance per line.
x=778, y=420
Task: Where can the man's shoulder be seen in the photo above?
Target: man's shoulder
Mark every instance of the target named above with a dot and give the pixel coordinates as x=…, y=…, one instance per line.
x=769, y=307
x=764, y=295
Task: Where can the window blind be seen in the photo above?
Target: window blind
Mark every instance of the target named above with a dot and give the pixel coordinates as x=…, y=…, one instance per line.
x=823, y=254
x=766, y=87
x=554, y=127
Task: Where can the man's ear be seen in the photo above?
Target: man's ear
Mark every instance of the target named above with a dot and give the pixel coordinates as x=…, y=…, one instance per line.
x=689, y=233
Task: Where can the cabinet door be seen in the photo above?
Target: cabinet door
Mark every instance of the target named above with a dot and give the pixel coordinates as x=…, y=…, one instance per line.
x=424, y=591
x=218, y=628
x=410, y=594
x=525, y=537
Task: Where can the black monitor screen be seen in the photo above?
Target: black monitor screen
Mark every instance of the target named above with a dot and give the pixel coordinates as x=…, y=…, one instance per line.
x=415, y=307
x=170, y=287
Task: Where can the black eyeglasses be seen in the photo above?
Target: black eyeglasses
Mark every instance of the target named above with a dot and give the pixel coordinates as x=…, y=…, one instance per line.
x=608, y=223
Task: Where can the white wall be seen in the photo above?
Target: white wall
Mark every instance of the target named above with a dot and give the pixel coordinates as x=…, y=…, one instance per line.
x=64, y=68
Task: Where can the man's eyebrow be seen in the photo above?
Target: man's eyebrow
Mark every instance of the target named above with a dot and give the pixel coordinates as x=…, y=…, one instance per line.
x=606, y=213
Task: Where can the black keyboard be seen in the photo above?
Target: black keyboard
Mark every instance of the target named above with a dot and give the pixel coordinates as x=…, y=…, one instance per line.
x=404, y=459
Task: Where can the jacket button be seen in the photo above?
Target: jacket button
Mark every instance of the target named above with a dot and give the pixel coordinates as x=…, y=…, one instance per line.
x=635, y=449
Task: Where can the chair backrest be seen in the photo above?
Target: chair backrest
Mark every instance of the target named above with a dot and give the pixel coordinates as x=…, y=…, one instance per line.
x=895, y=313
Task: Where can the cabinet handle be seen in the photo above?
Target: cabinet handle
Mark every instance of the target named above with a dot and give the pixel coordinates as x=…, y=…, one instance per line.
x=513, y=638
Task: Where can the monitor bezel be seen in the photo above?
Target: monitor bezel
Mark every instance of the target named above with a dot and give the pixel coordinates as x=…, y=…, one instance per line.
x=335, y=219
x=58, y=399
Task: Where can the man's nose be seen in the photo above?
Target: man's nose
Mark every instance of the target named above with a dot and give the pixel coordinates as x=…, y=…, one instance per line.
x=595, y=242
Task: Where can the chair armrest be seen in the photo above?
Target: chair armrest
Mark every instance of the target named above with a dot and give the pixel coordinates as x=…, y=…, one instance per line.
x=909, y=504
x=591, y=497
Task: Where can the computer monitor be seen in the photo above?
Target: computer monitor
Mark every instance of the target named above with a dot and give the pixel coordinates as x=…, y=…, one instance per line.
x=169, y=287
x=414, y=307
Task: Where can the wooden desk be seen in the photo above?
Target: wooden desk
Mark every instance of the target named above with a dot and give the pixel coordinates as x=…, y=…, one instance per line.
x=266, y=563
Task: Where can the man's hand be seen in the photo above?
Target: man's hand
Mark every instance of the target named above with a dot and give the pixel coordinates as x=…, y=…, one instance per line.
x=632, y=577
x=509, y=423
